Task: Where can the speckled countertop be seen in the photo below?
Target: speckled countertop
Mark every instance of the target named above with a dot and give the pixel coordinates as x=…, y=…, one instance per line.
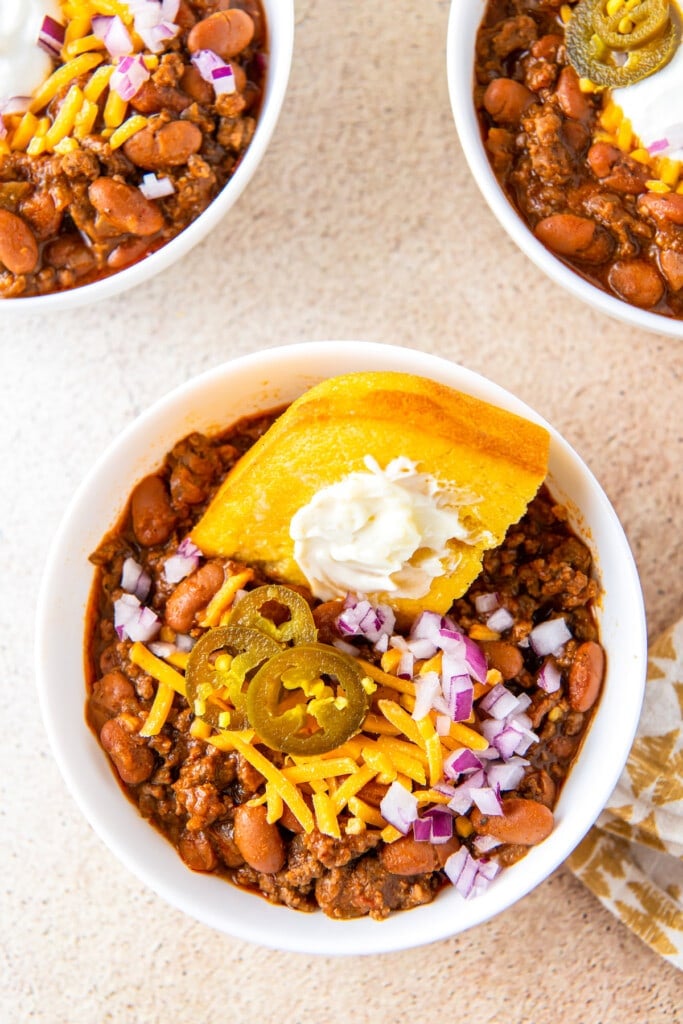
x=362, y=221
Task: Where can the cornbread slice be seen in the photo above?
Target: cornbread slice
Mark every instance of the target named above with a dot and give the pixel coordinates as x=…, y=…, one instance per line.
x=493, y=459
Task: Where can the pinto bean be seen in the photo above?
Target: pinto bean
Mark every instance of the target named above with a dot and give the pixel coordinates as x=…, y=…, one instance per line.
x=408, y=857
x=662, y=207
x=637, y=282
x=151, y=512
x=586, y=675
x=227, y=33
x=192, y=594
x=132, y=758
x=616, y=170
x=524, y=822
x=573, y=103
x=197, y=852
x=70, y=251
x=259, y=841
x=506, y=100
x=570, y=235
x=671, y=263
x=253, y=9
x=505, y=657
x=111, y=695
x=196, y=87
x=18, y=246
x=152, y=98
x=125, y=207
x=168, y=146
x=130, y=251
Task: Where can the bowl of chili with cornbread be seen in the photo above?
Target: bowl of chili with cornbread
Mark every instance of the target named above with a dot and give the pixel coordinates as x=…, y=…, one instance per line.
x=281, y=751
x=574, y=143
x=138, y=125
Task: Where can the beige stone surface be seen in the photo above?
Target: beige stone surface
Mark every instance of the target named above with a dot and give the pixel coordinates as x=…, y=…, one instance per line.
x=362, y=221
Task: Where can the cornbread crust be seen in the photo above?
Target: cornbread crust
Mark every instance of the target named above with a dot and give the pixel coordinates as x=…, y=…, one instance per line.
x=495, y=460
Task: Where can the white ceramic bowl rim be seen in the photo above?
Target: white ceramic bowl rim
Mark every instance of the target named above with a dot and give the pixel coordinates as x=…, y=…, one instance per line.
x=259, y=381
x=280, y=19
x=464, y=19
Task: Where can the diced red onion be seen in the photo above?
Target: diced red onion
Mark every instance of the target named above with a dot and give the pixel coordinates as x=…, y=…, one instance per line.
x=162, y=649
x=500, y=620
x=549, y=637
x=459, y=694
x=360, y=618
x=443, y=725
x=223, y=80
x=461, y=869
x=15, y=105
x=460, y=762
x=486, y=603
x=658, y=146
x=505, y=776
x=382, y=645
x=426, y=689
x=133, y=620
x=134, y=579
x=507, y=741
x=498, y=702
x=422, y=649
x=184, y=642
x=399, y=807
x=426, y=627
x=113, y=33
x=184, y=562
x=550, y=677
x=435, y=826
x=342, y=645
x=523, y=702
x=206, y=62
x=156, y=188
x=51, y=36
x=487, y=800
x=129, y=75
x=156, y=36
x=484, y=844
x=461, y=798
x=487, y=868
x=406, y=665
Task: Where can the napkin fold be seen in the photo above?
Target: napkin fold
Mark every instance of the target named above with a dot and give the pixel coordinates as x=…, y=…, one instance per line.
x=632, y=859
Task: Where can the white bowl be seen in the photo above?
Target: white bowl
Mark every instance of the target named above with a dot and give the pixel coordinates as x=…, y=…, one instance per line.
x=280, y=22
x=213, y=400
x=464, y=20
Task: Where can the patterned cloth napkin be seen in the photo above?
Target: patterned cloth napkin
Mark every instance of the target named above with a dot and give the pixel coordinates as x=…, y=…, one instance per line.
x=633, y=858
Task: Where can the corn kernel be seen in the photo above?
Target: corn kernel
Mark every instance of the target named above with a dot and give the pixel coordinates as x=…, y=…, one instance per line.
x=625, y=26
x=555, y=714
x=565, y=13
x=613, y=6
x=464, y=827
x=657, y=186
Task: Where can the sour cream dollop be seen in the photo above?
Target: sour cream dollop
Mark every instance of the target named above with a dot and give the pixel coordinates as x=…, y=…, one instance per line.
x=653, y=106
x=24, y=66
x=381, y=531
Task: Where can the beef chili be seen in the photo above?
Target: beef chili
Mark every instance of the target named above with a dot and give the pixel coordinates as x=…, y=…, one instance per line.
x=387, y=818
x=568, y=157
x=129, y=139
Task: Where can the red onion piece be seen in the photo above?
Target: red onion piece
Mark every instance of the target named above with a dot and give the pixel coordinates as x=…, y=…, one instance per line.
x=162, y=649
x=426, y=627
x=113, y=33
x=549, y=637
x=550, y=677
x=130, y=74
x=487, y=800
x=658, y=146
x=156, y=188
x=500, y=620
x=461, y=869
x=206, y=62
x=15, y=105
x=223, y=80
x=486, y=603
x=133, y=620
x=461, y=762
x=187, y=556
x=399, y=807
x=435, y=826
x=51, y=36
x=498, y=702
x=156, y=36
x=184, y=642
x=505, y=776
x=135, y=580
x=484, y=844
x=426, y=689
x=360, y=618
x=459, y=694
